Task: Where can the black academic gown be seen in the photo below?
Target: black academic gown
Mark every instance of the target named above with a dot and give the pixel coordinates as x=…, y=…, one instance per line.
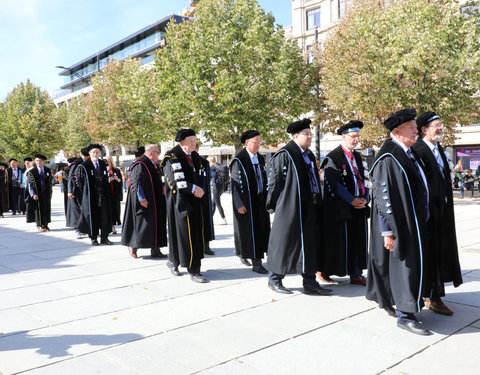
x=73, y=204
x=13, y=188
x=252, y=229
x=203, y=180
x=95, y=208
x=399, y=196
x=39, y=211
x=184, y=210
x=294, y=242
x=145, y=227
x=345, y=228
x=441, y=255
x=116, y=193
x=3, y=192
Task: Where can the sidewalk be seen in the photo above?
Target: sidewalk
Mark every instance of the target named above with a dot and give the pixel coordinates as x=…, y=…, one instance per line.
x=69, y=308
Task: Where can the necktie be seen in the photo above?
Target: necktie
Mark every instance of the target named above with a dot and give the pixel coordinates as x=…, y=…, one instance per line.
x=258, y=174
x=414, y=162
x=189, y=158
x=42, y=179
x=438, y=158
x=358, y=176
x=311, y=175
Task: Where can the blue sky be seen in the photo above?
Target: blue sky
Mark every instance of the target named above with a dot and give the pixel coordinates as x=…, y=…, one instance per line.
x=37, y=35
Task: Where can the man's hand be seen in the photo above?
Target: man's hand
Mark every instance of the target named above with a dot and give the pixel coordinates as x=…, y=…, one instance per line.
x=35, y=197
x=198, y=192
x=389, y=242
x=144, y=203
x=242, y=210
x=359, y=203
x=70, y=195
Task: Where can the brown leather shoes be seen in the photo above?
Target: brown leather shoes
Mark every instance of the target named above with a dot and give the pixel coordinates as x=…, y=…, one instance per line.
x=132, y=252
x=439, y=307
x=325, y=278
x=359, y=280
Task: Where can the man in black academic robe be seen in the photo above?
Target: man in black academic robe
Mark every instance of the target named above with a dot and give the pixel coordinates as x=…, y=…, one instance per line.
x=204, y=178
x=144, y=221
x=441, y=254
x=3, y=189
x=182, y=168
x=74, y=194
x=345, y=209
x=14, y=185
x=399, y=221
x=294, y=195
x=251, y=221
x=92, y=183
x=38, y=203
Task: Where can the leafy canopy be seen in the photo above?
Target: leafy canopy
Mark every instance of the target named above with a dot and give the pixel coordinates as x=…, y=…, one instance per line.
x=387, y=55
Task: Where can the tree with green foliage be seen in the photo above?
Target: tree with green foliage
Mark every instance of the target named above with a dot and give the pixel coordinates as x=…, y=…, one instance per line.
x=73, y=130
x=28, y=123
x=120, y=109
x=229, y=70
x=386, y=55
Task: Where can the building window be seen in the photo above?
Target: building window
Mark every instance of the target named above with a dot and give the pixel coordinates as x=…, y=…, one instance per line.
x=313, y=18
x=342, y=7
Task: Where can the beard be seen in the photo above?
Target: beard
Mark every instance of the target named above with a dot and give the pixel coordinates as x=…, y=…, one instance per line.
x=438, y=137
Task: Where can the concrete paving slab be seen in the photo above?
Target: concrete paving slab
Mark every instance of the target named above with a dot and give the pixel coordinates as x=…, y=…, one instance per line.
x=458, y=354
x=233, y=368
x=52, y=344
x=94, y=363
x=468, y=293
x=15, y=320
x=32, y=295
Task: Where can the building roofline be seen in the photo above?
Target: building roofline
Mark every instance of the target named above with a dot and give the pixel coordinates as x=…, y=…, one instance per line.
x=93, y=58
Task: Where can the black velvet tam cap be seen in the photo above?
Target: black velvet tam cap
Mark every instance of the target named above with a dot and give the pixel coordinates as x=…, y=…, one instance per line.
x=94, y=145
x=351, y=126
x=248, y=134
x=40, y=156
x=84, y=151
x=184, y=133
x=297, y=126
x=400, y=117
x=426, y=118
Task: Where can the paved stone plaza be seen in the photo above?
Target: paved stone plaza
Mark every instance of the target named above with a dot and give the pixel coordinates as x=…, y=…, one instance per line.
x=69, y=308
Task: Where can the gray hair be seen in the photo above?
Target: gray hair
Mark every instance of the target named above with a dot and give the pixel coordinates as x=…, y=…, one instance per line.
x=151, y=147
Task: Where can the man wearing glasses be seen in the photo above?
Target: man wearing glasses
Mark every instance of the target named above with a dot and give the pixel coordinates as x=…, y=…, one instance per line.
x=145, y=221
x=441, y=254
x=251, y=220
x=295, y=197
x=345, y=209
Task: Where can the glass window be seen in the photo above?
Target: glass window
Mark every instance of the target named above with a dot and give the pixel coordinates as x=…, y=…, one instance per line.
x=313, y=18
x=342, y=7
x=310, y=54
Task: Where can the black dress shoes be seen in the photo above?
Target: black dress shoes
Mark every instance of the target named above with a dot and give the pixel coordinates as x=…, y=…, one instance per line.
x=413, y=326
x=198, y=278
x=279, y=288
x=159, y=255
x=95, y=242
x=209, y=251
x=106, y=241
x=390, y=311
x=173, y=269
x=259, y=268
x=316, y=289
x=245, y=262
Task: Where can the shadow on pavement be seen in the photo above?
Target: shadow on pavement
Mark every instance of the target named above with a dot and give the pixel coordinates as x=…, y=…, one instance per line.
x=58, y=345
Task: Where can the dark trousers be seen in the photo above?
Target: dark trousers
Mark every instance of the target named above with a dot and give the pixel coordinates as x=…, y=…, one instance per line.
x=308, y=279
x=217, y=191
x=14, y=197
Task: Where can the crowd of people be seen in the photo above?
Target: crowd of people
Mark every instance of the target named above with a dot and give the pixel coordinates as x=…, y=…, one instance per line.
x=320, y=226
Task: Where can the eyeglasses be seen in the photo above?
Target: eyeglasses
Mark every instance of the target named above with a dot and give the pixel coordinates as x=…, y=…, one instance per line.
x=307, y=134
x=354, y=136
x=256, y=143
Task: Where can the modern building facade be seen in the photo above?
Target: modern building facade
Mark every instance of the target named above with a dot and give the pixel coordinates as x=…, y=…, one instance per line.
x=141, y=45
